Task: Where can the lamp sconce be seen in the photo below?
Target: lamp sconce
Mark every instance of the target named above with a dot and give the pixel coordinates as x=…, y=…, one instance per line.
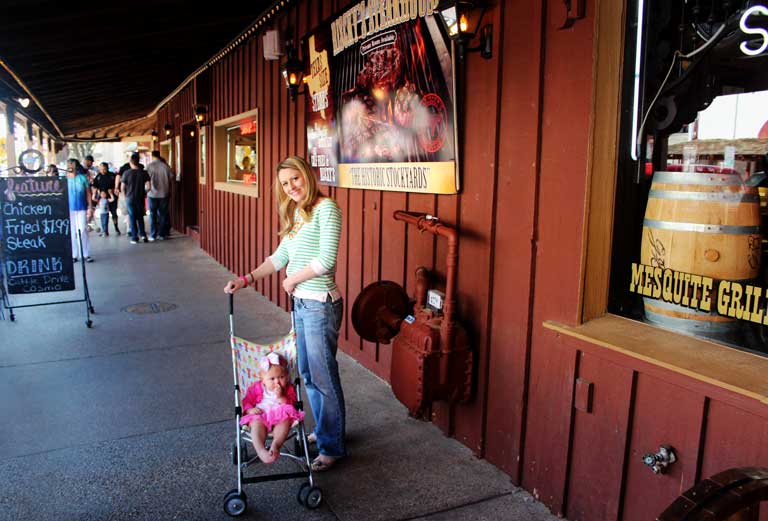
x=461, y=20
x=154, y=136
x=293, y=73
x=168, y=129
x=201, y=115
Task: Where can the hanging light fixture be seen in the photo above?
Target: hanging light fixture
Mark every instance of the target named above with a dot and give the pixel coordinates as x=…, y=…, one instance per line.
x=201, y=112
x=168, y=129
x=461, y=20
x=293, y=73
x=154, y=136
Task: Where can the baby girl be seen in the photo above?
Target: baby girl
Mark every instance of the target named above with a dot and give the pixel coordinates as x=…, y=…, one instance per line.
x=268, y=406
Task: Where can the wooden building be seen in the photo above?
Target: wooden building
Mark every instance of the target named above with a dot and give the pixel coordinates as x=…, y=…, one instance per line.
x=567, y=397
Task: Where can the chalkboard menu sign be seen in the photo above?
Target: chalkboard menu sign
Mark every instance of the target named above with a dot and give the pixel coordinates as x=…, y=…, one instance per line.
x=34, y=229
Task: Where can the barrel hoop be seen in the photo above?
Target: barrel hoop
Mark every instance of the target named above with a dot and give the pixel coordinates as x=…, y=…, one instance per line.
x=690, y=326
x=681, y=178
x=726, y=197
x=702, y=228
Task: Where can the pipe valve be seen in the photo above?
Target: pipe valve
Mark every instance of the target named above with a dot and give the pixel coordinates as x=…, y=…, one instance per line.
x=660, y=461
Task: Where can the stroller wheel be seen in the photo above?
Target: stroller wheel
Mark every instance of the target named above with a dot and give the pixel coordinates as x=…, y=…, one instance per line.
x=301, y=497
x=235, y=503
x=314, y=498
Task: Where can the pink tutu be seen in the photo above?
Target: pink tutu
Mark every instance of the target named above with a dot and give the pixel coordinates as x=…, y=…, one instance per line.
x=272, y=417
x=272, y=413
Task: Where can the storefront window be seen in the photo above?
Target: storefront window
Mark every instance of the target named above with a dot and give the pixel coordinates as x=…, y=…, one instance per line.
x=234, y=158
x=241, y=153
x=691, y=220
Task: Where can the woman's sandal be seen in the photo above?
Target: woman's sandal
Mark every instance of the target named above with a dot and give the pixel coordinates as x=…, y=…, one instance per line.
x=319, y=465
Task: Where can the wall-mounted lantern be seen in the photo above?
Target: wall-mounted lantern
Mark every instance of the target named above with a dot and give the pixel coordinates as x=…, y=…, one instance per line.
x=154, y=136
x=201, y=115
x=168, y=129
x=461, y=20
x=293, y=73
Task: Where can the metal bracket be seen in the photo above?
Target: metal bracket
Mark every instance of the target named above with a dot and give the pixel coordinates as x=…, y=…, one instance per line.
x=574, y=10
x=660, y=461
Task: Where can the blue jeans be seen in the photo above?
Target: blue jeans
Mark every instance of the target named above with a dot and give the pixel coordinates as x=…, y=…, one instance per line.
x=135, y=217
x=158, y=217
x=104, y=222
x=317, y=333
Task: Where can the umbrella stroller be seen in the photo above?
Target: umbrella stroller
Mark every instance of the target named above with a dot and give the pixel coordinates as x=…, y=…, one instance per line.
x=245, y=357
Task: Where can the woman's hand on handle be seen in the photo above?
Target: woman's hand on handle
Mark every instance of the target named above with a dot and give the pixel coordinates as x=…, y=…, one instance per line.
x=233, y=286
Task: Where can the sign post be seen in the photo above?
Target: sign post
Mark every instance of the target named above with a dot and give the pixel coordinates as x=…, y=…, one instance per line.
x=36, y=245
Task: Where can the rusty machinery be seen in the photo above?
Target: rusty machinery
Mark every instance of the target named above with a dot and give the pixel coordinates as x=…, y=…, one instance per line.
x=431, y=357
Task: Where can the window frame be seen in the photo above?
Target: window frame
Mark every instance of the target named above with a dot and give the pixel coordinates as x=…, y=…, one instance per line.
x=220, y=159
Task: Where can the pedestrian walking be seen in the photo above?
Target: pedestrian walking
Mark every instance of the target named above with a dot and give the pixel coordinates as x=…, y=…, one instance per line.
x=79, y=207
x=160, y=175
x=133, y=184
x=90, y=172
x=105, y=182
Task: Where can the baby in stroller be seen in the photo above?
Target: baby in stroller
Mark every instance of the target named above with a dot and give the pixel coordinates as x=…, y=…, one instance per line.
x=268, y=406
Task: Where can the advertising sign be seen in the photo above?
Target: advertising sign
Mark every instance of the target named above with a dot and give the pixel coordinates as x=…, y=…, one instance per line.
x=380, y=99
x=34, y=227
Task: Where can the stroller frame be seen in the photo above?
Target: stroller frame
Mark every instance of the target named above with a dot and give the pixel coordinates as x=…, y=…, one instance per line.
x=235, y=501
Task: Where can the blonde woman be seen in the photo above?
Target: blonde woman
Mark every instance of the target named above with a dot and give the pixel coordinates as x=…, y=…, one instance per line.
x=310, y=228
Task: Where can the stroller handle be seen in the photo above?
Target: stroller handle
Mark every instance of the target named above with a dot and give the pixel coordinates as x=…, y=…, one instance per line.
x=231, y=303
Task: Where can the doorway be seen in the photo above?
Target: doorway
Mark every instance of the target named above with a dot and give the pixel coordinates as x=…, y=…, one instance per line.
x=189, y=179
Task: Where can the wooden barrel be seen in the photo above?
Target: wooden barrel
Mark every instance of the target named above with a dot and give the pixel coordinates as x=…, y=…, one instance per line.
x=731, y=495
x=706, y=223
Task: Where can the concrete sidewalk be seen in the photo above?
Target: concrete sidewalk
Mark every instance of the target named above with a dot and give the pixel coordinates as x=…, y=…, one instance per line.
x=133, y=419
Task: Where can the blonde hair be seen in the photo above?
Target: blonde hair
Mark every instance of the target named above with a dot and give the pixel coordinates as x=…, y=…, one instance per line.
x=286, y=207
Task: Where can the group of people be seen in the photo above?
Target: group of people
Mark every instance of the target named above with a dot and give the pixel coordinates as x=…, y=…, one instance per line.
x=90, y=188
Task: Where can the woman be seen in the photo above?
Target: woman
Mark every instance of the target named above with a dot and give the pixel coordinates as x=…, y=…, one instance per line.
x=79, y=207
x=310, y=228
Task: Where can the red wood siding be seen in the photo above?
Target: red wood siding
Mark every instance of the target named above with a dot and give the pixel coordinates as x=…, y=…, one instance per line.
x=520, y=214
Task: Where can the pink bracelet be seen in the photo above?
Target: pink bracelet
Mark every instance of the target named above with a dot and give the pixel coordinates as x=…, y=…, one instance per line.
x=245, y=280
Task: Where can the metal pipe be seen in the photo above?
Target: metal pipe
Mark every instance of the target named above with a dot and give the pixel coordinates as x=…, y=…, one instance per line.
x=422, y=285
x=430, y=224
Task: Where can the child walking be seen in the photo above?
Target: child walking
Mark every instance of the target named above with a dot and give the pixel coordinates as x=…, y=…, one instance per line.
x=268, y=406
x=104, y=200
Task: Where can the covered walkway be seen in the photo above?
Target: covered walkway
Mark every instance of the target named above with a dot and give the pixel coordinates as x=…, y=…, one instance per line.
x=133, y=419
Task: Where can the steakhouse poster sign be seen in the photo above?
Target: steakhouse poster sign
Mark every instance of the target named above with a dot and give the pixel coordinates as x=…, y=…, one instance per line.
x=380, y=95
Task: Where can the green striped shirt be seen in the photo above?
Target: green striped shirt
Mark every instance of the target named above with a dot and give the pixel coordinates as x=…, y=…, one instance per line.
x=314, y=243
